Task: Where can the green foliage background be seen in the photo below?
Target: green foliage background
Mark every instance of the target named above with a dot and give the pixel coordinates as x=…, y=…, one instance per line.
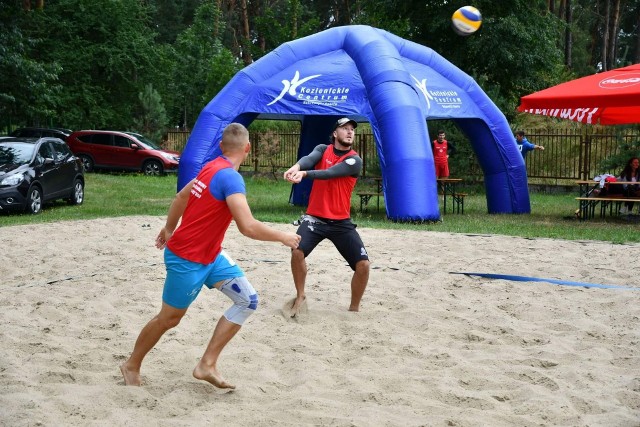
x=149, y=66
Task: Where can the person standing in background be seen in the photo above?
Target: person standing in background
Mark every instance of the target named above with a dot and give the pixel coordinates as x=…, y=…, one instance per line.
x=524, y=145
x=442, y=149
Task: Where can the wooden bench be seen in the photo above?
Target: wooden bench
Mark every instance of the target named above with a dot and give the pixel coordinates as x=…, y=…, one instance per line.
x=365, y=197
x=458, y=202
x=587, y=205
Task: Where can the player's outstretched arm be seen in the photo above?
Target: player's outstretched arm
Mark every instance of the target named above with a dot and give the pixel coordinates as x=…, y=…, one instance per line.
x=254, y=229
x=296, y=172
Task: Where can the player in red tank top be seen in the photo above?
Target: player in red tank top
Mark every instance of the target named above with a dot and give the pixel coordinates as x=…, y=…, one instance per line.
x=441, y=151
x=334, y=169
x=205, y=208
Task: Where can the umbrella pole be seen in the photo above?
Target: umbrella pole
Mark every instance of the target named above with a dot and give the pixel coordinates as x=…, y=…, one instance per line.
x=585, y=152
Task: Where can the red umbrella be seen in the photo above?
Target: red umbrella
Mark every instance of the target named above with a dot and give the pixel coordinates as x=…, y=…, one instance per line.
x=609, y=98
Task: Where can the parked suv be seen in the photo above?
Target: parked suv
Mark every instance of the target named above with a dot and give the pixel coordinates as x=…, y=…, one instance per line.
x=37, y=170
x=105, y=149
x=37, y=132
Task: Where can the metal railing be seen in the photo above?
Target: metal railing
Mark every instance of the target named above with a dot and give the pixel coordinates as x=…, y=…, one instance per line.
x=575, y=154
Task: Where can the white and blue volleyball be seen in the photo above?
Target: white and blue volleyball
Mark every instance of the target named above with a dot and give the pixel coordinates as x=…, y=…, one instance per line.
x=466, y=20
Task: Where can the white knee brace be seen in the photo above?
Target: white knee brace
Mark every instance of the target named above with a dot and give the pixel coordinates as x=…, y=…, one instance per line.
x=244, y=297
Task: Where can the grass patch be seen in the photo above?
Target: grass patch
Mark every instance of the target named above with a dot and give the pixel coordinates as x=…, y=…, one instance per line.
x=552, y=215
x=108, y=195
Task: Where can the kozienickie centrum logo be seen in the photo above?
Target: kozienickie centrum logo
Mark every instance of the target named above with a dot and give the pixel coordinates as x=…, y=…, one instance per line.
x=308, y=93
x=444, y=98
x=620, y=81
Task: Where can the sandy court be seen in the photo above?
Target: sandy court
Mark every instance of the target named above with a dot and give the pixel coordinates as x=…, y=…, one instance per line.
x=428, y=348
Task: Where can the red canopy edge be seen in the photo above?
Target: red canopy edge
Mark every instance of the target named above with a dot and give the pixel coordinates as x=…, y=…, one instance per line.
x=608, y=98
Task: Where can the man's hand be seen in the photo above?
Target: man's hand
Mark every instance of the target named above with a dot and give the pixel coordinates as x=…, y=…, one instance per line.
x=291, y=240
x=163, y=238
x=296, y=177
x=291, y=172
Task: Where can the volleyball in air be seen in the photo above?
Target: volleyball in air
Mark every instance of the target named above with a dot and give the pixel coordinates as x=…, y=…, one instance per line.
x=466, y=20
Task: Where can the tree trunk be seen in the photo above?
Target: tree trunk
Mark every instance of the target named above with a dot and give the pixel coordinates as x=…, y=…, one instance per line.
x=568, y=35
x=216, y=24
x=636, y=55
x=260, y=10
x=246, y=36
x=605, y=36
x=561, y=8
x=295, y=11
x=613, y=35
x=26, y=5
x=228, y=16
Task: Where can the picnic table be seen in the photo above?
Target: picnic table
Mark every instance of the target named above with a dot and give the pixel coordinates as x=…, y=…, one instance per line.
x=588, y=200
x=366, y=196
x=448, y=188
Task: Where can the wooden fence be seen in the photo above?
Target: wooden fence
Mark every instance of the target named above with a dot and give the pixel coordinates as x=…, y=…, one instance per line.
x=569, y=155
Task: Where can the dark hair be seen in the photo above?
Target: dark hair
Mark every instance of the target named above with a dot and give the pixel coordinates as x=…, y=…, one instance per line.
x=520, y=132
x=441, y=131
x=626, y=172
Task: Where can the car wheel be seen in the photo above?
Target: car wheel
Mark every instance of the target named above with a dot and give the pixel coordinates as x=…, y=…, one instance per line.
x=152, y=167
x=87, y=162
x=34, y=200
x=78, y=193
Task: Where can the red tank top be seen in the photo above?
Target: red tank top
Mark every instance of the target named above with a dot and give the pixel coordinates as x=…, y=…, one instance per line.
x=440, y=151
x=331, y=198
x=204, y=223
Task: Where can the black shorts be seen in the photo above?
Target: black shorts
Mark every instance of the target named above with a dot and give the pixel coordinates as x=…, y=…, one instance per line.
x=342, y=234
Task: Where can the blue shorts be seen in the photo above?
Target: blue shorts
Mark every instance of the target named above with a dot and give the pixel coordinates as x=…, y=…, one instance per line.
x=185, y=278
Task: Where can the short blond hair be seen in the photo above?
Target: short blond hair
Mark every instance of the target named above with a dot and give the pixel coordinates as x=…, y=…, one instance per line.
x=234, y=138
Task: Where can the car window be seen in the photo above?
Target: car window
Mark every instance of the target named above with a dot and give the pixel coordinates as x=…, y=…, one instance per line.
x=121, y=141
x=62, y=152
x=16, y=154
x=45, y=151
x=52, y=134
x=144, y=140
x=30, y=133
x=101, y=139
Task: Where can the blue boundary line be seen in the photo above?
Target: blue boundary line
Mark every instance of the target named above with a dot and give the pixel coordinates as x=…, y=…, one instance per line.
x=538, y=279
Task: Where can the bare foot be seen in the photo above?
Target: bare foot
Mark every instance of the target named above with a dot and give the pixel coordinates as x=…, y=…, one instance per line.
x=212, y=377
x=296, y=307
x=130, y=377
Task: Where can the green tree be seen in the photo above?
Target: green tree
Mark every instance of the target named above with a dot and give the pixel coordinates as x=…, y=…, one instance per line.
x=203, y=66
x=171, y=17
x=152, y=117
x=515, y=52
x=29, y=88
x=105, y=62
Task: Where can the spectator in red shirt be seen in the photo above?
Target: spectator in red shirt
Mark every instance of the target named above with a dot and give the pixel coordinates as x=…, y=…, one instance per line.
x=442, y=149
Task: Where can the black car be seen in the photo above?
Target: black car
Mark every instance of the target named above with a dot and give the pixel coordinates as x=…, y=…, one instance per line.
x=37, y=132
x=38, y=170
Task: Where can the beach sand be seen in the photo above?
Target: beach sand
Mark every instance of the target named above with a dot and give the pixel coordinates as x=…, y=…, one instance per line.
x=428, y=348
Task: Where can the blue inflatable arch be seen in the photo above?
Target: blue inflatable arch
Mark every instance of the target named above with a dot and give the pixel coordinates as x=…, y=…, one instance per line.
x=370, y=75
